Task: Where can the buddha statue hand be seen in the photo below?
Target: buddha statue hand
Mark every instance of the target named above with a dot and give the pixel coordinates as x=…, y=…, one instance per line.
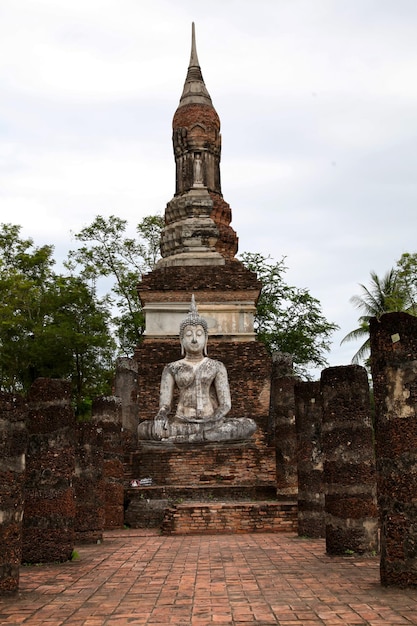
x=163, y=413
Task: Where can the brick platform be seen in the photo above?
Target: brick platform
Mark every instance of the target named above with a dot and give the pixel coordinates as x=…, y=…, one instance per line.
x=199, y=518
x=237, y=464
x=203, y=474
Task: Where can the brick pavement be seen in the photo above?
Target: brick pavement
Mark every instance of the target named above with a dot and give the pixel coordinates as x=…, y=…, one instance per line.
x=139, y=577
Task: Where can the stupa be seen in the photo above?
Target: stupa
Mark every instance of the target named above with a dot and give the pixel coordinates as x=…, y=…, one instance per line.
x=198, y=248
x=198, y=244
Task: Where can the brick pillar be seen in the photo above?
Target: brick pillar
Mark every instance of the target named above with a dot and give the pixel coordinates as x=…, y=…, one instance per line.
x=308, y=418
x=48, y=523
x=126, y=388
x=349, y=466
x=394, y=371
x=88, y=484
x=107, y=414
x=13, y=443
x=282, y=424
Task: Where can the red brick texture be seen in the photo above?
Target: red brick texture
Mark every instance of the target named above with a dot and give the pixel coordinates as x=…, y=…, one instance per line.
x=308, y=421
x=230, y=282
x=349, y=461
x=48, y=523
x=394, y=372
x=282, y=424
x=13, y=444
x=238, y=517
x=193, y=465
x=88, y=484
x=107, y=415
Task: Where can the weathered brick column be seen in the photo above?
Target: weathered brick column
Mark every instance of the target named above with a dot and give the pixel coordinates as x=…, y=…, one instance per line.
x=308, y=419
x=349, y=466
x=88, y=484
x=13, y=443
x=48, y=523
x=107, y=414
x=282, y=424
x=394, y=371
x=126, y=388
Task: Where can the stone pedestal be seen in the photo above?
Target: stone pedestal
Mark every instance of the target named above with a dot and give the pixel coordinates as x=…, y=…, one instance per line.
x=184, y=480
x=206, y=464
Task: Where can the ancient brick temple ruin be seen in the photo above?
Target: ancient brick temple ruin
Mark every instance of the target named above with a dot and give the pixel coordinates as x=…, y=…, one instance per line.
x=198, y=247
x=312, y=465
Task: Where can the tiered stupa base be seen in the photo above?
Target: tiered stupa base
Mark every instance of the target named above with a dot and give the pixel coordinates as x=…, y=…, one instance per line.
x=207, y=488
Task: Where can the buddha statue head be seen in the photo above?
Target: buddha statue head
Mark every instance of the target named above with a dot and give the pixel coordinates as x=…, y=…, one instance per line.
x=193, y=319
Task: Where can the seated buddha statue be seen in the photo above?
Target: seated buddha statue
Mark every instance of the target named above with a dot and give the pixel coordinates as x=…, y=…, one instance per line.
x=204, y=394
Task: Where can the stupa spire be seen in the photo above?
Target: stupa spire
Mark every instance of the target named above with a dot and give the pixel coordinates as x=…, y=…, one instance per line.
x=195, y=91
x=193, y=57
x=197, y=220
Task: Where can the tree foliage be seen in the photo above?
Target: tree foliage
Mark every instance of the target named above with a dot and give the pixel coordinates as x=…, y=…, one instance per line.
x=391, y=293
x=288, y=319
x=50, y=324
x=108, y=253
x=407, y=276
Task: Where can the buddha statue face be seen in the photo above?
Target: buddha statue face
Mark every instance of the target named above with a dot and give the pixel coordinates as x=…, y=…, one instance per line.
x=193, y=332
x=194, y=339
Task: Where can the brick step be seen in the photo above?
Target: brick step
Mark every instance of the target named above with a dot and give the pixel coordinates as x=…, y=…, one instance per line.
x=145, y=506
x=198, y=518
x=203, y=493
x=145, y=513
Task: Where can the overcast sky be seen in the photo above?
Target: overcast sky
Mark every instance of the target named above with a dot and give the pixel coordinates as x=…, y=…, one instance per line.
x=317, y=101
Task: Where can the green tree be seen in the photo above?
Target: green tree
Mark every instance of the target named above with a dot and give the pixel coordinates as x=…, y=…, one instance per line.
x=25, y=273
x=50, y=325
x=407, y=276
x=78, y=337
x=288, y=319
x=384, y=295
x=109, y=254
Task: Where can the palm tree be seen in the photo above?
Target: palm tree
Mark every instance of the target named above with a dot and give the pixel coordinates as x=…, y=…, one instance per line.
x=384, y=295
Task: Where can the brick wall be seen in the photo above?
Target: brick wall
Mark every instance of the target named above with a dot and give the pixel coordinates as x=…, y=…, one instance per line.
x=243, y=464
x=231, y=280
x=242, y=517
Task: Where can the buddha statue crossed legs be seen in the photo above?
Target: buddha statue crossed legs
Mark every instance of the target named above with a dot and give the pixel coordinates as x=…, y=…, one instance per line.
x=204, y=395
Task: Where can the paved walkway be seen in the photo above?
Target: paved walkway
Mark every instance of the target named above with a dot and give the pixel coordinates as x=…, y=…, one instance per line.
x=139, y=577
